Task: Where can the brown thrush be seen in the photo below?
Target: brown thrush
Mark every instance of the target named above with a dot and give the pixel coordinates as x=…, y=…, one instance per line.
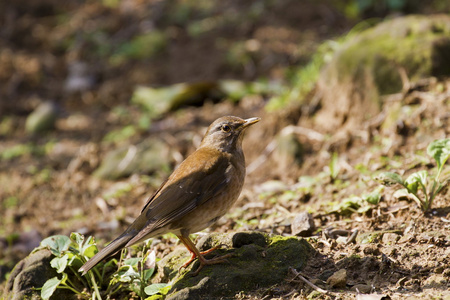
x=200, y=191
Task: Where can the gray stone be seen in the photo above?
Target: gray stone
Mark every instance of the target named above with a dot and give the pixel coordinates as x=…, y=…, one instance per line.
x=30, y=273
x=338, y=279
x=303, y=224
x=362, y=288
x=390, y=238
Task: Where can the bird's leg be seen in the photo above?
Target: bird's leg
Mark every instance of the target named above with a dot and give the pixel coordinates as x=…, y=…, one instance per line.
x=200, y=255
x=194, y=255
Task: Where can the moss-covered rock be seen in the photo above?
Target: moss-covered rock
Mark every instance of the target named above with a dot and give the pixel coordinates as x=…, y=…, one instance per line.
x=31, y=273
x=258, y=260
x=371, y=64
x=147, y=157
x=42, y=118
x=158, y=101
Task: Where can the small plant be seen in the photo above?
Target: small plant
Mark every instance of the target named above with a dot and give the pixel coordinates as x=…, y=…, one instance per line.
x=135, y=272
x=358, y=204
x=417, y=185
x=71, y=253
x=334, y=166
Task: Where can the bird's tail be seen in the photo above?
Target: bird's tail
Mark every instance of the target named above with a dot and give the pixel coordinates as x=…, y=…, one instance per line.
x=109, y=250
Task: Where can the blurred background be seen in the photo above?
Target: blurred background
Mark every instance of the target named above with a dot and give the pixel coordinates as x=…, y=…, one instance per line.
x=100, y=100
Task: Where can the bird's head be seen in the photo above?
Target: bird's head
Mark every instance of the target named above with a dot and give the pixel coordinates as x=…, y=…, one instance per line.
x=226, y=133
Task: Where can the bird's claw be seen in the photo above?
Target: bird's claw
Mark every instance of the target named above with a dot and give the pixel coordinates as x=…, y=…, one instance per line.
x=212, y=261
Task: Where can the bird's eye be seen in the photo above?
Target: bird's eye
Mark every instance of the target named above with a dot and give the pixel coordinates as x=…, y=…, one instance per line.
x=226, y=128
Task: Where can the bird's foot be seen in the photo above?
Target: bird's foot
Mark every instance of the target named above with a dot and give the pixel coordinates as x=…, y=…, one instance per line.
x=216, y=260
x=194, y=255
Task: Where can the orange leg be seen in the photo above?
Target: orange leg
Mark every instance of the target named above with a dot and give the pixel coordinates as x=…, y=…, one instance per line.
x=195, y=253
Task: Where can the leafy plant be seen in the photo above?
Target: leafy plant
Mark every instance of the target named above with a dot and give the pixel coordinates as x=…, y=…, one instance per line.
x=357, y=204
x=135, y=272
x=418, y=185
x=71, y=253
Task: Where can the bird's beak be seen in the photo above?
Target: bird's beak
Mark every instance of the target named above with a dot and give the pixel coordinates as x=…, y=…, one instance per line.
x=250, y=121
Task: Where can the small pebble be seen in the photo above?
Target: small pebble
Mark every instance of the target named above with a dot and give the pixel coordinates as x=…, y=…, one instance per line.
x=338, y=279
x=362, y=288
x=303, y=224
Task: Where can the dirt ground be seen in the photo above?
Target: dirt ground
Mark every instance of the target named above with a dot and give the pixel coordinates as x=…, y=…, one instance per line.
x=50, y=189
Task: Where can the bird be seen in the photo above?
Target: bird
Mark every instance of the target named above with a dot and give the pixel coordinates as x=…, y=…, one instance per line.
x=197, y=194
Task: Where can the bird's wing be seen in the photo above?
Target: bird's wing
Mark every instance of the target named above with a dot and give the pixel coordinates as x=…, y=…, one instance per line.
x=198, y=179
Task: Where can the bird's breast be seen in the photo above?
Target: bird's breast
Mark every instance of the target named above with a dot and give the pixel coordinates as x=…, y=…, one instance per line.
x=210, y=211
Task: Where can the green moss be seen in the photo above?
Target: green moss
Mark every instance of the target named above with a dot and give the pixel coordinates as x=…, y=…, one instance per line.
x=382, y=50
x=252, y=265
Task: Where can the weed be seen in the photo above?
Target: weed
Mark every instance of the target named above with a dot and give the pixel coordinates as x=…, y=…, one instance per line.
x=417, y=185
x=71, y=253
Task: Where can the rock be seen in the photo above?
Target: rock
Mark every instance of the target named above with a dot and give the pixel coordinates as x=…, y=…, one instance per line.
x=370, y=249
x=303, y=224
x=30, y=273
x=377, y=236
x=259, y=261
x=271, y=186
x=370, y=64
x=42, y=118
x=342, y=240
x=241, y=239
x=368, y=237
x=338, y=279
x=435, y=281
x=158, y=101
x=362, y=288
x=390, y=238
x=149, y=156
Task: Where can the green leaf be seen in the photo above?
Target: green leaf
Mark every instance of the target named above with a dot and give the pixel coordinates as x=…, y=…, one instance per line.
x=389, y=178
x=165, y=290
x=49, y=287
x=77, y=238
x=374, y=197
x=156, y=288
x=418, y=177
x=347, y=206
x=89, y=250
x=57, y=244
x=334, y=165
x=127, y=274
x=440, y=151
x=132, y=261
x=86, y=247
x=413, y=187
x=401, y=194
x=147, y=274
x=60, y=263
